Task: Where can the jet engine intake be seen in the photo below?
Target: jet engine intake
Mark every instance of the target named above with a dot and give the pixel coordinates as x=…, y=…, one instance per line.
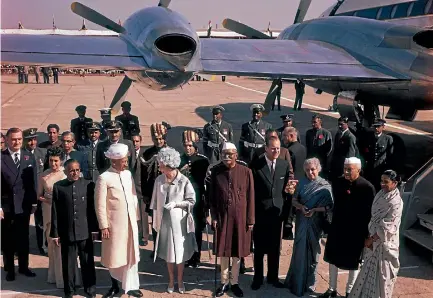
x=178, y=49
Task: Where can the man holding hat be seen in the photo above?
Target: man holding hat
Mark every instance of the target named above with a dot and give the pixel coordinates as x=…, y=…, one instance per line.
x=215, y=133
x=89, y=146
x=353, y=198
x=344, y=147
x=378, y=154
x=113, y=129
x=116, y=208
x=194, y=166
x=231, y=201
x=40, y=154
x=79, y=125
x=106, y=118
x=129, y=122
x=253, y=133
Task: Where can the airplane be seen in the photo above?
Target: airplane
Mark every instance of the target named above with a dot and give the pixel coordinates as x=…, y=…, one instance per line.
x=364, y=62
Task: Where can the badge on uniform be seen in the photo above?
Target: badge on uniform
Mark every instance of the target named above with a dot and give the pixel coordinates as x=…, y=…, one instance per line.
x=41, y=163
x=225, y=131
x=263, y=132
x=320, y=137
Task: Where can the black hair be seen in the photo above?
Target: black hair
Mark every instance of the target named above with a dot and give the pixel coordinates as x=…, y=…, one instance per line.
x=392, y=175
x=343, y=119
x=13, y=130
x=53, y=126
x=69, y=161
x=54, y=151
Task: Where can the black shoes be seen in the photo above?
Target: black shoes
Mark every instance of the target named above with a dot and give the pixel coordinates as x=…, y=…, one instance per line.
x=329, y=293
x=242, y=268
x=256, y=285
x=111, y=292
x=10, y=276
x=135, y=293
x=222, y=289
x=27, y=272
x=237, y=291
x=277, y=285
x=90, y=292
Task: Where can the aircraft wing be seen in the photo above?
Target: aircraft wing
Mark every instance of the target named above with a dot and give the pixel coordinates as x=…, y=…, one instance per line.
x=101, y=52
x=289, y=59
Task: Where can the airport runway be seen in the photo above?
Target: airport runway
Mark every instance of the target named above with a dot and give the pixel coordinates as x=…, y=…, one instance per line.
x=33, y=105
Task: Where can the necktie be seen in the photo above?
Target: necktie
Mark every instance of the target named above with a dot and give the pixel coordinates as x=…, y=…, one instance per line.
x=17, y=160
x=272, y=169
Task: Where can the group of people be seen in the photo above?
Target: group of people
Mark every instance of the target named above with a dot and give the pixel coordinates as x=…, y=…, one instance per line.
x=98, y=181
x=23, y=74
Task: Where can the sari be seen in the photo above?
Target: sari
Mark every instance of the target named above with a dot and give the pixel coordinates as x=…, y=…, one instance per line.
x=379, y=271
x=301, y=276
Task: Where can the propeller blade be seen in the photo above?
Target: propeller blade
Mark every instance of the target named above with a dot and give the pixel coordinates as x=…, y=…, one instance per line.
x=120, y=95
x=244, y=29
x=164, y=3
x=302, y=11
x=270, y=98
x=96, y=17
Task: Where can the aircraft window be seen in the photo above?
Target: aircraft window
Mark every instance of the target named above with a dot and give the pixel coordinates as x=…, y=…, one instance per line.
x=379, y=12
x=400, y=10
x=367, y=13
x=428, y=6
x=355, y=14
x=386, y=13
x=409, y=10
x=424, y=39
x=418, y=8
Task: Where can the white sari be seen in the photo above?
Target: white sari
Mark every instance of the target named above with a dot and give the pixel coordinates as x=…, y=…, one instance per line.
x=381, y=264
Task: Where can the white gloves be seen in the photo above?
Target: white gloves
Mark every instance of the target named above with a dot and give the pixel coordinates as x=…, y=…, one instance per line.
x=170, y=205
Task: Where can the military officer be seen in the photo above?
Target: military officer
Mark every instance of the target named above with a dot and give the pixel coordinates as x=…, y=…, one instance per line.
x=89, y=146
x=130, y=124
x=378, y=154
x=287, y=122
x=79, y=125
x=106, y=118
x=194, y=166
x=253, y=133
x=215, y=133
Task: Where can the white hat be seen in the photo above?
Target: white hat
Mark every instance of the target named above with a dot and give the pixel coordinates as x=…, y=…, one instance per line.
x=352, y=161
x=229, y=146
x=117, y=151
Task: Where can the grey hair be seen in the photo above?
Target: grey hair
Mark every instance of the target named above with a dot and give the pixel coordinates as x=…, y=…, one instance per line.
x=291, y=130
x=314, y=162
x=169, y=157
x=68, y=133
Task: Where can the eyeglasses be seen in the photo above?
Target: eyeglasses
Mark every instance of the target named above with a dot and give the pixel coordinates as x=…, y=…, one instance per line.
x=67, y=141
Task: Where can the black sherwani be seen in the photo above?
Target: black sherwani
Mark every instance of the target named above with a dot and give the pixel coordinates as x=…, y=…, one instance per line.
x=73, y=219
x=18, y=196
x=270, y=199
x=349, y=226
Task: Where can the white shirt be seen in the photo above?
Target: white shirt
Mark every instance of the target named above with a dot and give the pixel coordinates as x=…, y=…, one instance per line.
x=269, y=162
x=344, y=131
x=378, y=136
x=13, y=154
x=137, y=152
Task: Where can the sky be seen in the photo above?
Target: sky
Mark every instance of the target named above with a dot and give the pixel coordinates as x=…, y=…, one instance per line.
x=38, y=14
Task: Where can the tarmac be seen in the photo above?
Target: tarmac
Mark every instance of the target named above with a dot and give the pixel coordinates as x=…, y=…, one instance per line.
x=37, y=105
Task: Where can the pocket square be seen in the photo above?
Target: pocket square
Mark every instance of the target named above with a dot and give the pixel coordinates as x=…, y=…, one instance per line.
x=281, y=177
x=29, y=166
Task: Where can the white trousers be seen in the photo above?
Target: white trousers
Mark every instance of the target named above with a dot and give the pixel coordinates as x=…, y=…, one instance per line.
x=225, y=275
x=333, y=276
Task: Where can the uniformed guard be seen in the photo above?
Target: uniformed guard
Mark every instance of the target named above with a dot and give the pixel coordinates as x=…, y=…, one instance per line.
x=79, y=125
x=106, y=118
x=215, y=133
x=378, y=154
x=300, y=91
x=253, y=133
x=89, y=146
x=319, y=143
x=287, y=122
x=130, y=124
x=278, y=95
x=194, y=166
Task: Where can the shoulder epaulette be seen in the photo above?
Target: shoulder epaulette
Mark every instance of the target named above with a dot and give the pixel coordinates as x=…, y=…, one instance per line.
x=241, y=162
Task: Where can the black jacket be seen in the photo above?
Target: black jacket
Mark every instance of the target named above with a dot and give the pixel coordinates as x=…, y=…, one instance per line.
x=73, y=215
x=79, y=128
x=136, y=171
x=130, y=125
x=298, y=154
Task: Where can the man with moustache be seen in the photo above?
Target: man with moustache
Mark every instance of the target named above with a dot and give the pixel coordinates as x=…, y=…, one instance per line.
x=271, y=176
x=89, y=147
x=215, y=133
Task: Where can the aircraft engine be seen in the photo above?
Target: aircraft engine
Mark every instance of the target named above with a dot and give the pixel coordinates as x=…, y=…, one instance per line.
x=169, y=45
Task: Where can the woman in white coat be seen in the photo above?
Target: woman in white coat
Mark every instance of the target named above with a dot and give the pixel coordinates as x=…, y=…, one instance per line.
x=172, y=200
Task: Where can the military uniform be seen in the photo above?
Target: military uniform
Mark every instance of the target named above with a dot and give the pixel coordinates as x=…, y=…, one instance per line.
x=130, y=123
x=319, y=144
x=90, y=148
x=79, y=125
x=285, y=118
x=214, y=134
x=252, y=137
x=106, y=118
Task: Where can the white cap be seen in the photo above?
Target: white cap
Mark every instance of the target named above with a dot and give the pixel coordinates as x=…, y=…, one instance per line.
x=229, y=146
x=352, y=161
x=117, y=151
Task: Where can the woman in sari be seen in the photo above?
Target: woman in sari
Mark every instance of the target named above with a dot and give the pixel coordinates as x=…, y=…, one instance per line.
x=312, y=198
x=381, y=264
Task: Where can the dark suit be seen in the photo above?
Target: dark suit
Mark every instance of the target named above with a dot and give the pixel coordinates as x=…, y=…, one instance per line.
x=284, y=155
x=103, y=163
x=18, y=196
x=73, y=219
x=86, y=146
x=344, y=147
x=79, y=127
x=270, y=199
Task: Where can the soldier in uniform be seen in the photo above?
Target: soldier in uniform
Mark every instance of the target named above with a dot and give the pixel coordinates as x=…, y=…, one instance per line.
x=278, y=95
x=106, y=118
x=287, y=122
x=113, y=129
x=215, y=133
x=344, y=147
x=89, y=146
x=55, y=75
x=130, y=124
x=378, y=154
x=253, y=133
x=300, y=90
x=194, y=166
x=40, y=154
x=319, y=143
x=79, y=125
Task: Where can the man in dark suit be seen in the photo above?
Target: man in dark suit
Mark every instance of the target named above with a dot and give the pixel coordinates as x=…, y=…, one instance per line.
x=68, y=145
x=271, y=175
x=114, y=133
x=143, y=227
x=79, y=125
x=40, y=155
x=130, y=123
x=18, y=202
x=89, y=147
x=74, y=225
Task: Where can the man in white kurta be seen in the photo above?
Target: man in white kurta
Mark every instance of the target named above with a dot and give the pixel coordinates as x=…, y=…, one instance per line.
x=117, y=211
